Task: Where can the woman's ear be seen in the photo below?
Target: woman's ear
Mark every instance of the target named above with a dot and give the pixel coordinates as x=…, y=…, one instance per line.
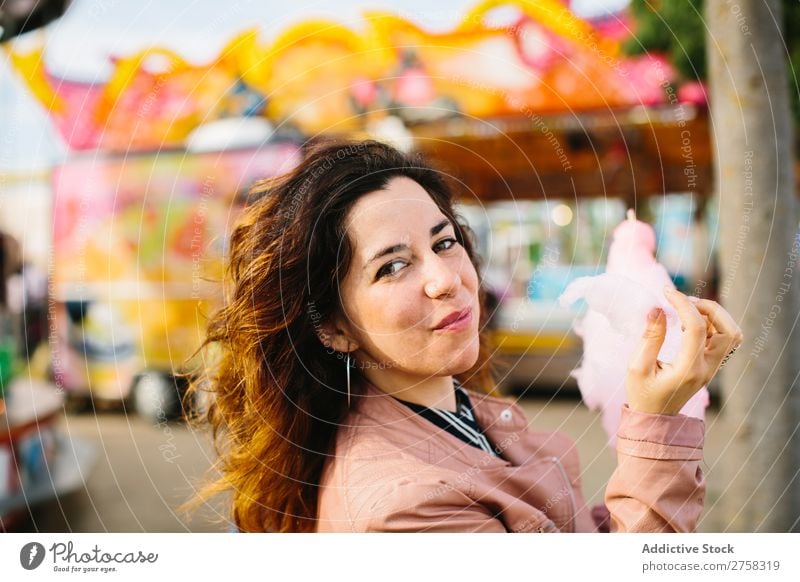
x=334, y=337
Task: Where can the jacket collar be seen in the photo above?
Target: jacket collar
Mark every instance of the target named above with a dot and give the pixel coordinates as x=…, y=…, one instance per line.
x=497, y=416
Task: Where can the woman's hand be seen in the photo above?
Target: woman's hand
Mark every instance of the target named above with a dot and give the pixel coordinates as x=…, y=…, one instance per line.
x=709, y=334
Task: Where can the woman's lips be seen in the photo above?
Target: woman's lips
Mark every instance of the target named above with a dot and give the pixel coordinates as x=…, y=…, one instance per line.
x=459, y=324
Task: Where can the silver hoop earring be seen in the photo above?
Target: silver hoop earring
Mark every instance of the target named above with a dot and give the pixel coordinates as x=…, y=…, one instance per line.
x=348, y=380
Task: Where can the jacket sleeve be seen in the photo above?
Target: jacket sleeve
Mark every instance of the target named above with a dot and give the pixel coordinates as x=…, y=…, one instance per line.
x=417, y=506
x=658, y=485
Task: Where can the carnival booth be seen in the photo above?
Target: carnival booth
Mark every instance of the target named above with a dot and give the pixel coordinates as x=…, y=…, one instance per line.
x=549, y=132
x=139, y=245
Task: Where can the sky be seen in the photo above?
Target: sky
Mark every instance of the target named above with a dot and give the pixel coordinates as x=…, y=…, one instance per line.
x=78, y=47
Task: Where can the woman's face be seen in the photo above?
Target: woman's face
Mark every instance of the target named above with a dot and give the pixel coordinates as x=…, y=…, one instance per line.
x=408, y=274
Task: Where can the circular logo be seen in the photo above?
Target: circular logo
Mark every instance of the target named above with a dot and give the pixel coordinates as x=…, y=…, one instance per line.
x=31, y=555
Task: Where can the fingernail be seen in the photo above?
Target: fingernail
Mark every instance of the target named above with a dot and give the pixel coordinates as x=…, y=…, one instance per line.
x=654, y=313
x=693, y=299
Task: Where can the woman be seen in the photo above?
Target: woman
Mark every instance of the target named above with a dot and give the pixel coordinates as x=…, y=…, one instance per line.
x=353, y=392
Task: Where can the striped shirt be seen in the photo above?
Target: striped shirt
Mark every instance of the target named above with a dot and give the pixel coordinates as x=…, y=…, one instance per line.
x=461, y=424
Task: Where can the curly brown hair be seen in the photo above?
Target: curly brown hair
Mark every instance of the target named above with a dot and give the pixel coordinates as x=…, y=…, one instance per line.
x=276, y=396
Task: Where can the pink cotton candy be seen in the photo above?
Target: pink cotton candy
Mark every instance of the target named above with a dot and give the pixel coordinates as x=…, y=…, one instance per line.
x=611, y=329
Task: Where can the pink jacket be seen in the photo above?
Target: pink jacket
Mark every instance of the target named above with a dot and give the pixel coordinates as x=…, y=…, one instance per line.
x=394, y=471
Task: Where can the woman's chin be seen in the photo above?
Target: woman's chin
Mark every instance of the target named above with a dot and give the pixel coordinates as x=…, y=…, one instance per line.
x=465, y=358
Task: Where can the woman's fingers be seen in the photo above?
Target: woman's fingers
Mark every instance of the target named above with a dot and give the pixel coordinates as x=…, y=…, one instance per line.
x=720, y=345
x=709, y=333
x=722, y=320
x=694, y=330
x=728, y=334
x=710, y=329
x=644, y=360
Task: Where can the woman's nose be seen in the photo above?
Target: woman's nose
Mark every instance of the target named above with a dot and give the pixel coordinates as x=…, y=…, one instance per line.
x=441, y=279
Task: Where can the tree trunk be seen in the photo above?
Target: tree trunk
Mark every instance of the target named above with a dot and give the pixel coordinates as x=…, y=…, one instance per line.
x=759, y=280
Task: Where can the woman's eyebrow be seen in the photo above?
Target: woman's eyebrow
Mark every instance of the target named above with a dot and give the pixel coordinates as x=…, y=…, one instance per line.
x=436, y=229
x=399, y=247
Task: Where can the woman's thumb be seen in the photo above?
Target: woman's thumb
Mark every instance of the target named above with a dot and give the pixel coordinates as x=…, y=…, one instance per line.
x=646, y=355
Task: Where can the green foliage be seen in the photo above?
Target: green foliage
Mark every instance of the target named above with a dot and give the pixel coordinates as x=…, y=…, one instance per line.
x=672, y=27
x=677, y=29
x=791, y=32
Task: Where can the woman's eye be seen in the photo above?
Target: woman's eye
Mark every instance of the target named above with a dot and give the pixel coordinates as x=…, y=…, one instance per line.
x=450, y=242
x=387, y=268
